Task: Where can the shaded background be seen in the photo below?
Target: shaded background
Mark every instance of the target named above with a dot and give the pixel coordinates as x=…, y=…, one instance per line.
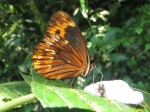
x=117, y=33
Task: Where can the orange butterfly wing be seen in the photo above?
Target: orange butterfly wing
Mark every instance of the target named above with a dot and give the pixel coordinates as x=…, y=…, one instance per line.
x=62, y=53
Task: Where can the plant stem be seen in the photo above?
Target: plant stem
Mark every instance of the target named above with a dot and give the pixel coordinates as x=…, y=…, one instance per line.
x=16, y=102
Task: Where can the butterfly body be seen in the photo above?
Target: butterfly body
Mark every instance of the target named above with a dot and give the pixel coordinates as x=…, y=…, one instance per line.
x=62, y=53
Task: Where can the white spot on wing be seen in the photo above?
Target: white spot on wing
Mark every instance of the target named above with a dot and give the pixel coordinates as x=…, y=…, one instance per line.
x=48, y=43
x=53, y=53
x=47, y=49
x=57, y=37
x=50, y=66
x=51, y=58
x=65, y=42
x=39, y=57
x=54, y=39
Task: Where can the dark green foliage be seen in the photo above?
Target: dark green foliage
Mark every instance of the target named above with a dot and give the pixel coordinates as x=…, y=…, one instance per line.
x=117, y=33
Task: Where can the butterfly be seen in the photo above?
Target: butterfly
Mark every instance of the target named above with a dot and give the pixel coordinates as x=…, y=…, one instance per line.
x=62, y=53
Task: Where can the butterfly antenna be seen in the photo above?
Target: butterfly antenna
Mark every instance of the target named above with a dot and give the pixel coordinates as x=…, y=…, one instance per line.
x=100, y=73
x=96, y=89
x=73, y=82
x=109, y=50
x=93, y=83
x=93, y=77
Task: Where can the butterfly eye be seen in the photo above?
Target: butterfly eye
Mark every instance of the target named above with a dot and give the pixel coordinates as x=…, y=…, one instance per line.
x=62, y=53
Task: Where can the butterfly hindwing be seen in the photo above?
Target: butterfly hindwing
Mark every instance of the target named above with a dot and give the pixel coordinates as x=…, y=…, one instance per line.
x=62, y=53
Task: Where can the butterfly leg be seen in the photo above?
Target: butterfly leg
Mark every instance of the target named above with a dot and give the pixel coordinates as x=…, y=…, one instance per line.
x=73, y=82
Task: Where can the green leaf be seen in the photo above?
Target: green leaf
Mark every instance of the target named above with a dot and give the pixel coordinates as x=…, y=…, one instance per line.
x=147, y=47
x=138, y=30
x=17, y=102
x=14, y=90
x=110, y=36
x=56, y=97
x=27, y=78
x=117, y=57
x=84, y=7
x=146, y=103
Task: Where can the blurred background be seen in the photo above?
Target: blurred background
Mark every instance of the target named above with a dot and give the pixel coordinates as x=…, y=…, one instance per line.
x=116, y=31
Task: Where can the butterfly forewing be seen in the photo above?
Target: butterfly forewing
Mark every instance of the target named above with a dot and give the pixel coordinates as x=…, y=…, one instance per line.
x=62, y=53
